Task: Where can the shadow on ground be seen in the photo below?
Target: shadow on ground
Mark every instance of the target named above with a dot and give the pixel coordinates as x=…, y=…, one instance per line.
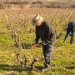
x=24, y=46
x=70, y=67
x=7, y=67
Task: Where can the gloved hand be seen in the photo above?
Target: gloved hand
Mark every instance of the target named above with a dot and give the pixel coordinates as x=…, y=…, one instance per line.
x=44, y=42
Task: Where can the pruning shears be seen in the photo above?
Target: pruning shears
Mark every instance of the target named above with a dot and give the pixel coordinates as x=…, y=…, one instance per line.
x=35, y=45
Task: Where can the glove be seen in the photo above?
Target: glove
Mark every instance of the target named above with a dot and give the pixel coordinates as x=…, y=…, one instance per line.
x=44, y=43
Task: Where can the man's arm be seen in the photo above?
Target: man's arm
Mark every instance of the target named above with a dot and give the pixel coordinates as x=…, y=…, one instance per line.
x=51, y=34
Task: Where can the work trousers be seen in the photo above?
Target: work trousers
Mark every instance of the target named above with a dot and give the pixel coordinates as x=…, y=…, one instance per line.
x=47, y=52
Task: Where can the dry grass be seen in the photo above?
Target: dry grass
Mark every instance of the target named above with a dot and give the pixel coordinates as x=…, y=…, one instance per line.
x=62, y=63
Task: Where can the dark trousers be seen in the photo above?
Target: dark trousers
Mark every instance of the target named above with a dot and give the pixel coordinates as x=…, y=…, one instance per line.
x=72, y=37
x=47, y=52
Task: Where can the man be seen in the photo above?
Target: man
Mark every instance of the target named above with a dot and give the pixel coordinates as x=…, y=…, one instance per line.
x=44, y=31
x=70, y=30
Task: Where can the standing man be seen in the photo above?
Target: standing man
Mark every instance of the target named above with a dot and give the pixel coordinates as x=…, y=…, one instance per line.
x=70, y=30
x=44, y=31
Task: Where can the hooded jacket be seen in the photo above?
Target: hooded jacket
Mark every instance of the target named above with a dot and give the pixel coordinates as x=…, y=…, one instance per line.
x=70, y=27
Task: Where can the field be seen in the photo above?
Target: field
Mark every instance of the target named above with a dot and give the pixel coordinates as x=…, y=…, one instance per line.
x=16, y=27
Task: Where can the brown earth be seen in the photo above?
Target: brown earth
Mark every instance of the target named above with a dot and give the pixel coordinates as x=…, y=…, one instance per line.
x=38, y=4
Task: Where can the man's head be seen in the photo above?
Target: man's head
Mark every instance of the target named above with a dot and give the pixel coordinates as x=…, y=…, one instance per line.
x=37, y=20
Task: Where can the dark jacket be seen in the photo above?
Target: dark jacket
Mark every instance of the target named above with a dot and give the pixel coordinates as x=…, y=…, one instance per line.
x=70, y=27
x=46, y=33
